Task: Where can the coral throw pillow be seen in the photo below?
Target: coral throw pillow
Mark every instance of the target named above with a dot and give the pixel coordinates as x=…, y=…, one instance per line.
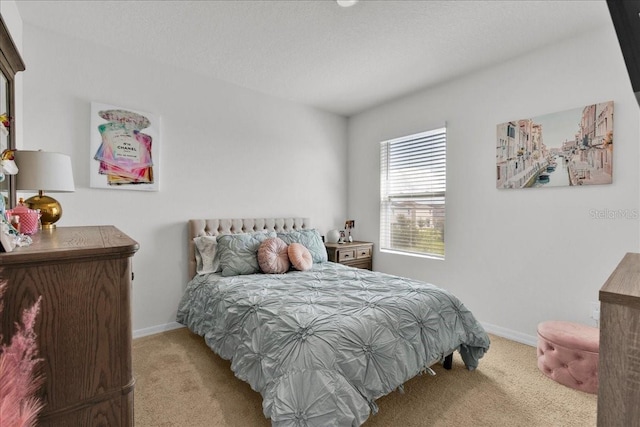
x=300, y=257
x=273, y=257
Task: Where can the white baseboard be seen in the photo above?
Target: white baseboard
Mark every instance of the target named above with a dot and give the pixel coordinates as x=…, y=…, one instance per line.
x=492, y=329
x=156, y=329
x=511, y=334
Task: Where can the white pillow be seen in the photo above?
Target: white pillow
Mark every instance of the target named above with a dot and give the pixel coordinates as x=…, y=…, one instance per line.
x=206, y=248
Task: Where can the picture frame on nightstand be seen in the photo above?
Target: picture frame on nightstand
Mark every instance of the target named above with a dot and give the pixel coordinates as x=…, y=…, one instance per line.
x=348, y=225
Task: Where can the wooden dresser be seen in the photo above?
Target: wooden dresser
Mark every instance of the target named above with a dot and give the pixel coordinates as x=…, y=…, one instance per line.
x=84, y=325
x=354, y=254
x=619, y=358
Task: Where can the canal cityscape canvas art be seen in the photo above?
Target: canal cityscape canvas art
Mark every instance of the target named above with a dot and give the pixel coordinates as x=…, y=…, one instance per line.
x=568, y=148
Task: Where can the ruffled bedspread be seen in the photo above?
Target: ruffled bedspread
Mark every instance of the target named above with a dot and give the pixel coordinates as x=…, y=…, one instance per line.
x=320, y=346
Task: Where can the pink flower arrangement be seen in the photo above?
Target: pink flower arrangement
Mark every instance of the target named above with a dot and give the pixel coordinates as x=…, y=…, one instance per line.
x=19, y=379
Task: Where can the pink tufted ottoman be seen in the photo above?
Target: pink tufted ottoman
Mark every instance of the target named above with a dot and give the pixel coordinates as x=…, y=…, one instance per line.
x=568, y=354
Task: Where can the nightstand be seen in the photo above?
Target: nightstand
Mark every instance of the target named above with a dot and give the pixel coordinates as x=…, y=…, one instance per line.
x=354, y=254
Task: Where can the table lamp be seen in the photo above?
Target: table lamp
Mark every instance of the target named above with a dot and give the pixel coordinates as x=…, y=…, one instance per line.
x=44, y=171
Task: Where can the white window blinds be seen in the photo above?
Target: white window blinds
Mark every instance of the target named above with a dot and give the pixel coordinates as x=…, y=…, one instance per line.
x=412, y=193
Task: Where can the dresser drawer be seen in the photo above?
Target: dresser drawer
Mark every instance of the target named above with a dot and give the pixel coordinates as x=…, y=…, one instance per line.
x=346, y=255
x=363, y=252
x=354, y=254
x=84, y=277
x=364, y=263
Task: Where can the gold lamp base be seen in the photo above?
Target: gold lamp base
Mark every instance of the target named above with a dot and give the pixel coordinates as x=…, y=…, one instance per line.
x=50, y=209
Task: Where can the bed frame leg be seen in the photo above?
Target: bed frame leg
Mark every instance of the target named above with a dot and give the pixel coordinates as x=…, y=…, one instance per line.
x=448, y=362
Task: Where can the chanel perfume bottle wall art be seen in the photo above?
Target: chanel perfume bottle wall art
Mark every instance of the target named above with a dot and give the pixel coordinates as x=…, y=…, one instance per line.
x=125, y=148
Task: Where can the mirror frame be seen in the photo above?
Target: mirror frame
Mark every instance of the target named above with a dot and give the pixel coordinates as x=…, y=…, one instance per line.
x=10, y=64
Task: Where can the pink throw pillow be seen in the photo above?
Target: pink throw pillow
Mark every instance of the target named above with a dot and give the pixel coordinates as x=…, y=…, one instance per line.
x=300, y=257
x=273, y=257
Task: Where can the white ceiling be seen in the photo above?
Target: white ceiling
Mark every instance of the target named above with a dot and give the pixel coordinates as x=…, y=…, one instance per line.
x=343, y=60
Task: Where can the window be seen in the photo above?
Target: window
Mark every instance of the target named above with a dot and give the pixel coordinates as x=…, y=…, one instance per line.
x=412, y=193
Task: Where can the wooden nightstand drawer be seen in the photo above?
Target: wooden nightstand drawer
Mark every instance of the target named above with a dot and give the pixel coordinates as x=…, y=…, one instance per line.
x=363, y=252
x=364, y=263
x=346, y=255
x=354, y=254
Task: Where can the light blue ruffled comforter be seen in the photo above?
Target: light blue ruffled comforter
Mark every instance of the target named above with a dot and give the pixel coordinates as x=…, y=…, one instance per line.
x=322, y=345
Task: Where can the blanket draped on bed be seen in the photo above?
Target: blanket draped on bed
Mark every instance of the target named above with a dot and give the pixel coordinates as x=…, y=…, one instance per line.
x=322, y=345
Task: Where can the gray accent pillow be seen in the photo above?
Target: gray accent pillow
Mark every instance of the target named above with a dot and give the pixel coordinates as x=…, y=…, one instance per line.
x=311, y=240
x=238, y=252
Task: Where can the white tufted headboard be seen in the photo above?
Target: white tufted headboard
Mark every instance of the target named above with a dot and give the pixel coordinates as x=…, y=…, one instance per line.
x=213, y=227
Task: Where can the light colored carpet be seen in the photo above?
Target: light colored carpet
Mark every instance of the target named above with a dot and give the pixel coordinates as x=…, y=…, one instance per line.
x=181, y=382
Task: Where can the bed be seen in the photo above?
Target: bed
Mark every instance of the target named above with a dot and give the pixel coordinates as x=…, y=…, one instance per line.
x=319, y=345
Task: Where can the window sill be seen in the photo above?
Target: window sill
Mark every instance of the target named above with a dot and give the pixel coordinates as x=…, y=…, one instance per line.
x=412, y=254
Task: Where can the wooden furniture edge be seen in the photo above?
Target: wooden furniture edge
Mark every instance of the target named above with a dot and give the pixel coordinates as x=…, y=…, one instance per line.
x=110, y=248
x=622, y=285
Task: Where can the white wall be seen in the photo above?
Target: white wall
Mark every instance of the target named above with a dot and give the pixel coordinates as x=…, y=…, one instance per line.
x=225, y=152
x=514, y=257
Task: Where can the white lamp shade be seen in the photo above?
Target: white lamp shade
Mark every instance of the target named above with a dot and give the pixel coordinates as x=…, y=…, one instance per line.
x=42, y=170
x=333, y=236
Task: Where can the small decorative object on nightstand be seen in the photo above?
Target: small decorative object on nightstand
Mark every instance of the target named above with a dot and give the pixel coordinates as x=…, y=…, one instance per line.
x=333, y=236
x=348, y=225
x=354, y=254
